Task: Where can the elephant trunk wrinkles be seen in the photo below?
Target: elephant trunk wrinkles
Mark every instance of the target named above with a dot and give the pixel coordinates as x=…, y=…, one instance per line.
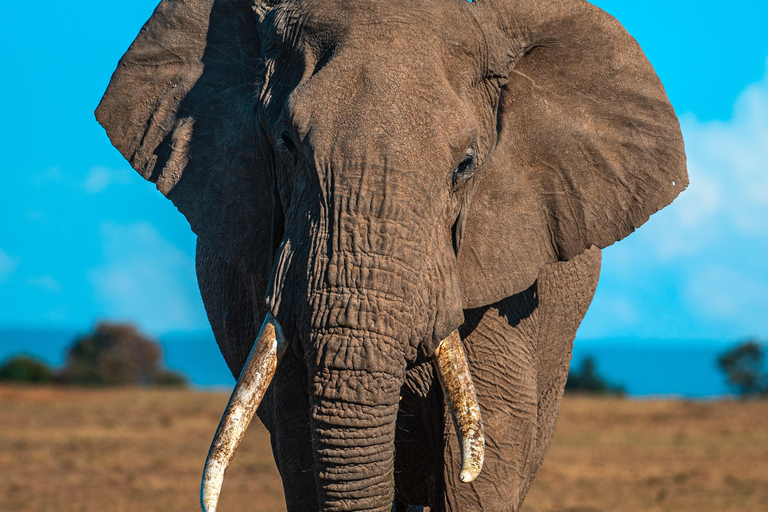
x=353, y=415
x=381, y=289
x=356, y=353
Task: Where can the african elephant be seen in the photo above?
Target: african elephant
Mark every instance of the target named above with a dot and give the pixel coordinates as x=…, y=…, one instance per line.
x=374, y=181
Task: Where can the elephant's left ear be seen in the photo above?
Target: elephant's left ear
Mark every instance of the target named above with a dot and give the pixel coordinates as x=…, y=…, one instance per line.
x=588, y=147
x=181, y=108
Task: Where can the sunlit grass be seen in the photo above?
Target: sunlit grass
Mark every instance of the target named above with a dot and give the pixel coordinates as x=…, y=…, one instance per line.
x=628, y=455
x=135, y=449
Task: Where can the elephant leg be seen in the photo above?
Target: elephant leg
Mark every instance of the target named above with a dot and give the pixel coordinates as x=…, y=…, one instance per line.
x=499, y=342
x=565, y=293
x=519, y=350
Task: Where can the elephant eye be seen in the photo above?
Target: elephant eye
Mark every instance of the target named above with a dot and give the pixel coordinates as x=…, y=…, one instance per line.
x=287, y=148
x=286, y=143
x=464, y=170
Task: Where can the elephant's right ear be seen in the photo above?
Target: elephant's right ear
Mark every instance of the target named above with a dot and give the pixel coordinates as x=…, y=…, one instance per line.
x=588, y=148
x=181, y=108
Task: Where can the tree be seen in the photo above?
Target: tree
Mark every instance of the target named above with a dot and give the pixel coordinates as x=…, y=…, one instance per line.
x=743, y=368
x=25, y=369
x=116, y=354
x=587, y=380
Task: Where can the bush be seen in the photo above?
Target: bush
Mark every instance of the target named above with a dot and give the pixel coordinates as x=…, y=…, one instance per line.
x=25, y=369
x=115, y=355
x=170, y=379
x=743, y=368
x=587, y=380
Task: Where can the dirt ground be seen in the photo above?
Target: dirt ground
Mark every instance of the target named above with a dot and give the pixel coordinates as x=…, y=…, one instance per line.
x=94, y=450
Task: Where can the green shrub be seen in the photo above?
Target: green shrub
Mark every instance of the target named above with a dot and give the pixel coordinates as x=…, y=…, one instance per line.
x=116, y=355
x=587, y=380
x=743, y=367
x=170, y=379
x=25, y=369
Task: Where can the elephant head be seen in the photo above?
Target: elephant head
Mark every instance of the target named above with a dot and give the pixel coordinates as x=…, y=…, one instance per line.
x=361, y=173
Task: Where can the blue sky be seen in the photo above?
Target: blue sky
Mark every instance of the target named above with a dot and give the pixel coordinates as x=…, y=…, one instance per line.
x=83, y=237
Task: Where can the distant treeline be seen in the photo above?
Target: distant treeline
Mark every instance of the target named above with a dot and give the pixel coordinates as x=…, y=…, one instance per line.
x=743, y=367
x=585, y=379
x=113, y=354
x=117, y=354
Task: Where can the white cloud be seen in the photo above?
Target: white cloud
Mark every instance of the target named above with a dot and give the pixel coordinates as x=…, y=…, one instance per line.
x=7, y=265
x=729, y=297
x=701, y=262
x=99, y=178
x=702, y=201
x=729, y=168
x=728, y=293
x=147, y=280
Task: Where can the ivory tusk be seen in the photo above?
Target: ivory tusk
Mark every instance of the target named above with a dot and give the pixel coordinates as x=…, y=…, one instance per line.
x=249, y=390
x=453, y=372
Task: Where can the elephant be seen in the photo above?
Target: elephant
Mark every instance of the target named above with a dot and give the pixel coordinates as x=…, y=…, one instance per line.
x=400, y=209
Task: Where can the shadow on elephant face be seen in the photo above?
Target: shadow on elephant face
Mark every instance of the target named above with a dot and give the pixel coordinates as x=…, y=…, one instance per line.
x=377, y=174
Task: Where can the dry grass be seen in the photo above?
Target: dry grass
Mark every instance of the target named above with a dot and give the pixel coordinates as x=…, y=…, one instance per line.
x=126, y=450
x=80, y=450
x=626, y=455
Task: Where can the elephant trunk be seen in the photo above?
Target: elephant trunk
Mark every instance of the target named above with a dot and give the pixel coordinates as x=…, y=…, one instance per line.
x=353, y=419
x=354, y=405
x=381, y=291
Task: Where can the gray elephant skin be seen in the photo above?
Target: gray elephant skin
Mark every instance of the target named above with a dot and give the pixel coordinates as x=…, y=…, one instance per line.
x=377, y=174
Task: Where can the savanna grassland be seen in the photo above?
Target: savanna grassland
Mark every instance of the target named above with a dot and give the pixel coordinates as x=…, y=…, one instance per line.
x=124, y=450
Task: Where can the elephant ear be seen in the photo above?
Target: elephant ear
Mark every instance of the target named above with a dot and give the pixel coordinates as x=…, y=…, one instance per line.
x=588, y=147
x=181, y=108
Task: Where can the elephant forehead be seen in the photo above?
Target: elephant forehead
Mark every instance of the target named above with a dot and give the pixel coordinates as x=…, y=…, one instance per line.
x=378, y=78
x=399, y=104
x=447, y=29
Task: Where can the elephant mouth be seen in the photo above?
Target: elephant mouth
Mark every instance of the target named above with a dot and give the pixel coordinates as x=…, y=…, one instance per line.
x=451, y=367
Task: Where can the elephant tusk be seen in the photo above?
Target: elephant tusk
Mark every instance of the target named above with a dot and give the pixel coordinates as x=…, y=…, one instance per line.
x=453, y=372
x=250, y=388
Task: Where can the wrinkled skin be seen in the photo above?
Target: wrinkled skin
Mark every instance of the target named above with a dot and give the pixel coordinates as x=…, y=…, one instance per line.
x=377, y=174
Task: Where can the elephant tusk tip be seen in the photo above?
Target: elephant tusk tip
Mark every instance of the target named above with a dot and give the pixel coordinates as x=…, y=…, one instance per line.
x=473, y=455
x=210, y=488
x=467, y=475
x=471, y=469
x=208, y=504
